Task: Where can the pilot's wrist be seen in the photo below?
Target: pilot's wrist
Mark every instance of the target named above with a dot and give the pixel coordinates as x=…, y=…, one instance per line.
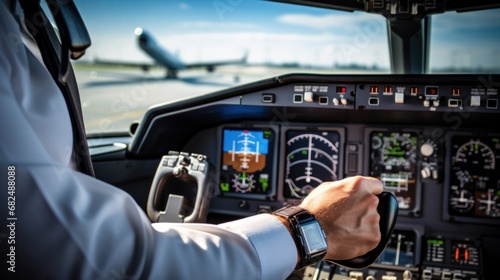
x=286, y=223
x=309, y=237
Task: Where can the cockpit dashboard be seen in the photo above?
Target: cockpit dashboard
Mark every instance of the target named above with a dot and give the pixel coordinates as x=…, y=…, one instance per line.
x=433, y=141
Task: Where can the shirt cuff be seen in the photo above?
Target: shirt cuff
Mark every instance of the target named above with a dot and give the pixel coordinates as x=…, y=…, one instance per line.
x=271, y=239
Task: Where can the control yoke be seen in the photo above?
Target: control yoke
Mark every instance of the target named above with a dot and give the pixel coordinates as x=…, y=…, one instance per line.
x=388, y=211
x=180, y=191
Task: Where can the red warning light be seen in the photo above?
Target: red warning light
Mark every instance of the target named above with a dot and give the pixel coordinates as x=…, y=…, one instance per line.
x=341, y=90
x=431, y=91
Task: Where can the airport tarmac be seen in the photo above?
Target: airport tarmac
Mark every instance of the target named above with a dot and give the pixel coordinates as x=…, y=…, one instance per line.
x=113, y=98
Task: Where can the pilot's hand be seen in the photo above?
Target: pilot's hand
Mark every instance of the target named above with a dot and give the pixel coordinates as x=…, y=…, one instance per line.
x=347, y=212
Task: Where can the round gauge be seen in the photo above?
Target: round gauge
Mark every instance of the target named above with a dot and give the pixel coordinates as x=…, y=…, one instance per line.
x=489, y=204
x=474, y=168
x=243, y=182
x=461, y=200
x=476, y=155
x=399, y=151
x=376, y=142
x=312, y=158
x=464, y=177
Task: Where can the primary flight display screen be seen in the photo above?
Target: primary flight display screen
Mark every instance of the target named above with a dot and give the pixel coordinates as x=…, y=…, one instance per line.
x=247, y=156
x=312, y=157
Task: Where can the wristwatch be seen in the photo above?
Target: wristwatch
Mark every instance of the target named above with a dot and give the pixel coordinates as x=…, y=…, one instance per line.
x=307, y=234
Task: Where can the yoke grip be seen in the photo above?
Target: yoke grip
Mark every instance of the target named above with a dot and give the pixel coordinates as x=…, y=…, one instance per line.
x=185, y=179
x=388, y=211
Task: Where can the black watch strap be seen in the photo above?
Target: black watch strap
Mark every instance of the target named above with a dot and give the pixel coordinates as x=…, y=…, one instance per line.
x=297, y=217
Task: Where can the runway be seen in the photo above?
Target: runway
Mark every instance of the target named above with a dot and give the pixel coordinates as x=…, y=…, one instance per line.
x=113, y=98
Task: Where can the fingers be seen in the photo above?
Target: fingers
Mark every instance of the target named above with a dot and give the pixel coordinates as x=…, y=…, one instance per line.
x=373, y=185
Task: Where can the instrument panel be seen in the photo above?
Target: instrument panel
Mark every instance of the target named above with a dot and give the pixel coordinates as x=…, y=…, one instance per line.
x=284, y=163
x=473, y=178
x=262, y=167
x=425, y=137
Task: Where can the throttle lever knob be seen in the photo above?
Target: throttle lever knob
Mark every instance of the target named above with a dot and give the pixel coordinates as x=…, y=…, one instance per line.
x=182, y=168
x=388, y=211
x=179, y=171
x=185, y=161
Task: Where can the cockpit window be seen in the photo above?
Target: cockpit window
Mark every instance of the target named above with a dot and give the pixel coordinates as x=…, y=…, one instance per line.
x=465, y=42
x=146, y=53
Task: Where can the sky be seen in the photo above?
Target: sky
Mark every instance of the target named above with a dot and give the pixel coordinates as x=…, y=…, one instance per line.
x=204, y=30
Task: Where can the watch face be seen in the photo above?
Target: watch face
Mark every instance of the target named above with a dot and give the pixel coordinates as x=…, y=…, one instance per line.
x=314, y=237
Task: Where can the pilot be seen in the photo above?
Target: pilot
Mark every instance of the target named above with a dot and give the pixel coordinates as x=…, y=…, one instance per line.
x=58, y=223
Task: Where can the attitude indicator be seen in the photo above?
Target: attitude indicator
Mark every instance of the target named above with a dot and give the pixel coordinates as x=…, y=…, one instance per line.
x=246, y=161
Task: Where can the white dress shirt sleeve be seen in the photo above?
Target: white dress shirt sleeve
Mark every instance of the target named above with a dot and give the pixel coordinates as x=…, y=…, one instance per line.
x=72, y=226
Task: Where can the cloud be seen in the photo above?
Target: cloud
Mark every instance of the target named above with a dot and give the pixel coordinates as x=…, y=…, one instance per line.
x=336, y=20
x=324, y=48
x=466, y=21
x=217, y=25
x=183, y=6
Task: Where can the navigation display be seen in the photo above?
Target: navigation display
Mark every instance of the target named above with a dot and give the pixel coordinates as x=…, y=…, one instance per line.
x=401, y=249
x=312, y=157
x=474, y=183
x=393, y=160
x=247, y=156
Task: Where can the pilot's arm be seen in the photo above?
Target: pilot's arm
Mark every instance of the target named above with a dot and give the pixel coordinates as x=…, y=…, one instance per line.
x=72, y=226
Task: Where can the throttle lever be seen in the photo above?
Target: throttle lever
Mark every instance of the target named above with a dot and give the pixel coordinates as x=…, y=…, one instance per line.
x=388, y=211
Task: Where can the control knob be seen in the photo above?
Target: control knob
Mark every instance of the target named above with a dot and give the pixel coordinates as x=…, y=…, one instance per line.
x=407, y=275
x=427, y=149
